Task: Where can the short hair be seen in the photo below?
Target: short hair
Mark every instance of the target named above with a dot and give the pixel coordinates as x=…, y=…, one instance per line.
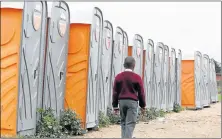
x=129, y=62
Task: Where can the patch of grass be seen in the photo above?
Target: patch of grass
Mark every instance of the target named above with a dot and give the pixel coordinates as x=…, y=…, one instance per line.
x=71, y=123
x=151, y=114
x=104, y=120
x=177, y=108
x=114, y=118
x=49, y=126
x=162, y=113
x=219, y=97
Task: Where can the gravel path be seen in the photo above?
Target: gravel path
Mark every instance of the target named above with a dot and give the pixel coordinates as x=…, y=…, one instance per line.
x=204, y=123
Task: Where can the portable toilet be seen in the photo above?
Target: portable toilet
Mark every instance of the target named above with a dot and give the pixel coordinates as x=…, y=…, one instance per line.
x=191, y=80
x=117, y=56
x=158, y=75
x=165, y=83
x=137, y=53
x=211, y=81
x=11, y=28
x=56, y=57
x=213, y=95
x=105, y=67
x=148, y=72
x=172, y=80
x=124, y=54
x=215, y=81
x=206, y=80
x=83, y=62
x=22, y=62
x=125, y=45
x=178, y=77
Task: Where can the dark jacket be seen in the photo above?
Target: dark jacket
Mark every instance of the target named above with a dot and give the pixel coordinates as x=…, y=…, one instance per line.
x=128, y=85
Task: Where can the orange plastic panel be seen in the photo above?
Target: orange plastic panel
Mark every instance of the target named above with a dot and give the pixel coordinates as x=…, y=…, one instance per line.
x=130, y=50
x=77, y=69
x=11, y=23
x=188, y=83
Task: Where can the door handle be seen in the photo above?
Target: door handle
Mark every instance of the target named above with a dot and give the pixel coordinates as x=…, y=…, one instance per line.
x=35, y=73
x=107, y=79
x=60, y=75
x=96, y=76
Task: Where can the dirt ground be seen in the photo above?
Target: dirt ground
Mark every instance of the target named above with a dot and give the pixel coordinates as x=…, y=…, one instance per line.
x=205, y=123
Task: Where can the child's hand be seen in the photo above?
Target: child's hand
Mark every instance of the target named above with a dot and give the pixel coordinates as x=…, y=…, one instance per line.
x=143, y=110
x=116, y=110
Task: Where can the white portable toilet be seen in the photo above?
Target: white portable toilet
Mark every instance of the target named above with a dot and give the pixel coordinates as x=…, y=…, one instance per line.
x=165, y=83
x=148, y=72
x=178, y=77
x=158, y=75
x=117, y=56
x=172, y=80
x=137, y=53
x=31, y=67
x=191, y=80
x=206, y=80
x=214, y=97
x=105, y=66
x=56, y=56
x=211, y=81
x=84, y=54
x=125, y=45
x=215, y=81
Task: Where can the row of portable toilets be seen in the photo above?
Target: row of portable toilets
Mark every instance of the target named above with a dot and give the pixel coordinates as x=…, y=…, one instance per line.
x=53, y=60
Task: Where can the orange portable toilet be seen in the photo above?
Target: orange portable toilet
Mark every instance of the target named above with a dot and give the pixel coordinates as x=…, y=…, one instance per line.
x=22, y=48
x=11, y=23
x=191, y=80
x=85, y=41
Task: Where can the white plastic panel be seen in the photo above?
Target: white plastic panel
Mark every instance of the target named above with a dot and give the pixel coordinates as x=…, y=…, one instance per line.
x=117, y=55
x=137, y=53
x=172, y=80
x=93, y=72
x=178, y=77
x=31, y=65
x=158, y=75
x=198, y=74
x=206, y=80
x=214, y=97
x=148, y=73
x=215, y=82
x=105, y=67
x=15, y=5
x=125, y=46
x=56, y=57
x=165, y=82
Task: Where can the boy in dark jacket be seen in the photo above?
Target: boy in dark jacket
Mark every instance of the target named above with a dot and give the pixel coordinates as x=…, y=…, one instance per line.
x=127, y=91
